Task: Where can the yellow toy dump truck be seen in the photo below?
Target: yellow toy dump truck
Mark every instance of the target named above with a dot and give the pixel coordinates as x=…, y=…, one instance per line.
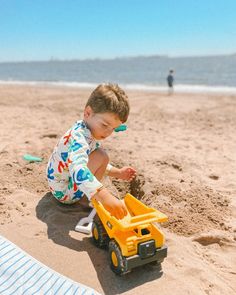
x=133, y=241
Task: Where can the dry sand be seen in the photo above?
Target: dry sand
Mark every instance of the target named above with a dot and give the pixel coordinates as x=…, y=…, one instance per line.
x=183, y=147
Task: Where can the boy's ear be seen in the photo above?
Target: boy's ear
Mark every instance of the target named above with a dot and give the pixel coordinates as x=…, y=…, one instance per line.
x=87, y=112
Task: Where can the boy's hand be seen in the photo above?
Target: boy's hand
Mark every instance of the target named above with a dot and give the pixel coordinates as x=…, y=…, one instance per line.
x=112, y=204
x=127, y=173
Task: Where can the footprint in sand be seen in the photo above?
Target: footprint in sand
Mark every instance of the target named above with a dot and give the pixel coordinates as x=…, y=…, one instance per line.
x=214, y=177
x=40, y=233
x=50, y=135
x=212, y=238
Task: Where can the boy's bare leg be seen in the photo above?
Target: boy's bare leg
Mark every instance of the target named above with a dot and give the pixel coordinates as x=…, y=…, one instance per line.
x=97, y=163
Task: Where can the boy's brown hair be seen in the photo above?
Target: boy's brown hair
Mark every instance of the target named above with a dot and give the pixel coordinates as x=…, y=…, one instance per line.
x=109, y=98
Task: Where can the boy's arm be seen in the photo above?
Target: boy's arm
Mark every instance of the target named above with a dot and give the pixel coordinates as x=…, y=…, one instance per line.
x=82, y=177
x=124, y=173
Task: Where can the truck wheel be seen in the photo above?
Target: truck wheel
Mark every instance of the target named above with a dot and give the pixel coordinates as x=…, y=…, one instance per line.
x=117, y=260
x=100, y=236
x=156, y=265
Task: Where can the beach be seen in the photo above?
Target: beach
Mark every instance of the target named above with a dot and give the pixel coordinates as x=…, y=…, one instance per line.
x=183, y=147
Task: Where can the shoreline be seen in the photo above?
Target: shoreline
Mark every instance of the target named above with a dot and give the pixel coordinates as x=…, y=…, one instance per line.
x=178, y=88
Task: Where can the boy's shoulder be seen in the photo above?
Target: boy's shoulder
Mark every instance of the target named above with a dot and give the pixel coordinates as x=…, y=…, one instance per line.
x=80, y=124
x=80, y=128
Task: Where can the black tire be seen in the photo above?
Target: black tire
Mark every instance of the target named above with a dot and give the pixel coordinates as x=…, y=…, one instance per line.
x=100, y=236
x=156, y=265
x=117, y=261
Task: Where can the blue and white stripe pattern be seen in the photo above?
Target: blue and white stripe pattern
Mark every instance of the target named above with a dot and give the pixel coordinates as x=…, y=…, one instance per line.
x=21, y=274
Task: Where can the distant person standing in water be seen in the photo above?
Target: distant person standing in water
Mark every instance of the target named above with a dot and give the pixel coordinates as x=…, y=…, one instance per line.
x=170, y=82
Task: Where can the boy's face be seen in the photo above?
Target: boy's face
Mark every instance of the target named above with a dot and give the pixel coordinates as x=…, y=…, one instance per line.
x=101, y=125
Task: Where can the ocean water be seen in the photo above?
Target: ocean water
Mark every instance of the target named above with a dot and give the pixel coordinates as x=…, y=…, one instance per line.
x=193, y=74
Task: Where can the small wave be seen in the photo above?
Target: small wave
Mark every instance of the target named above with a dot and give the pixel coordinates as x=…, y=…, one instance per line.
x=185, y=88
x=205, y=89
x=47, y=83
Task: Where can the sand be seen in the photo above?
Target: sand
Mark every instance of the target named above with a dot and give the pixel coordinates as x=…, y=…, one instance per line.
x=183, y=147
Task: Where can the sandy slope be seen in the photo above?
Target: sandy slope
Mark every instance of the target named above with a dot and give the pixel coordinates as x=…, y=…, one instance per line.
x=184, y=149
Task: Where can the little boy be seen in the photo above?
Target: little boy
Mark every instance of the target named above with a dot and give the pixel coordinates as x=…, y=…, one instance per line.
x=78, y=163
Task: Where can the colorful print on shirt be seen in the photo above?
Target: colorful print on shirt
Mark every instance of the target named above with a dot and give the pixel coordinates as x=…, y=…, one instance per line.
x=67, y=172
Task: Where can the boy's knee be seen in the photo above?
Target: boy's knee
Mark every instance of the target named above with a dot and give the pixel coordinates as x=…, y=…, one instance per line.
x=103, y=155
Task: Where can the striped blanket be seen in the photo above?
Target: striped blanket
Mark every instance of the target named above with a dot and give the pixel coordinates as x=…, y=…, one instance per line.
x=22, y=274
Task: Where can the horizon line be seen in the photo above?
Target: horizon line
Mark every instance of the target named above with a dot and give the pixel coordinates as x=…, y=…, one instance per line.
x=55, y=59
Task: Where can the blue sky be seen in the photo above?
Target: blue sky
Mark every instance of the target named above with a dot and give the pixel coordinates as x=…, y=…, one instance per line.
x=68, y=29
